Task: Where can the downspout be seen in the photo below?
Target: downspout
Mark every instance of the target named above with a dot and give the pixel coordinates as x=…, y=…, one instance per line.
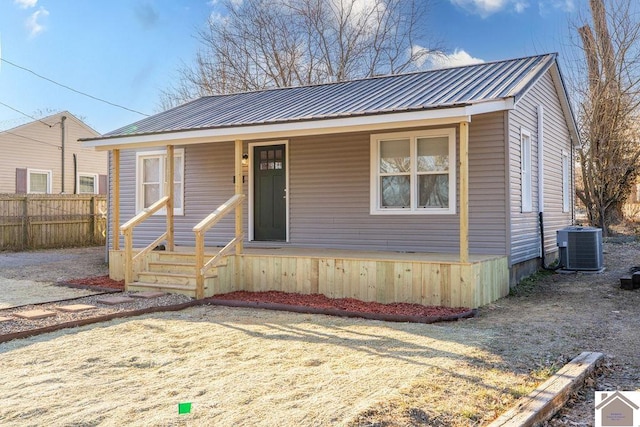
x=75, y=173
x=62, y=128
x=541, y=188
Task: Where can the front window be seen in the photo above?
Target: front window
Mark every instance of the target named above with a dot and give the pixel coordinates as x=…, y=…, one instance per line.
x=87, y=183
x=39, y=181
x=413, y=172
x=151, y=168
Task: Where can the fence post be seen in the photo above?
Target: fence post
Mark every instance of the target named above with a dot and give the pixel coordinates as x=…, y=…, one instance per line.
x=25, y=223
x=92, y=215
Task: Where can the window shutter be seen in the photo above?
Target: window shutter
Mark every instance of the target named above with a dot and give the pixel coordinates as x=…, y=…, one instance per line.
x=21, y=180
x=102, y=184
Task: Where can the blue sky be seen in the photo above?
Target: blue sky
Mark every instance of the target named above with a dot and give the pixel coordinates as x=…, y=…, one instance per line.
x=127, y=51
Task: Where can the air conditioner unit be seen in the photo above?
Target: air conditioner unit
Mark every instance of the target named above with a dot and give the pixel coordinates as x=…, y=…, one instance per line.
x=580, y=248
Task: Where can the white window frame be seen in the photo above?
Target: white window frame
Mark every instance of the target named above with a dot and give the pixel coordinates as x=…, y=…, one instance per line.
x=162, y=155
x=95, y=182
x=566, y=182
x=413, y=136
x=525, y=171
x=40, y=171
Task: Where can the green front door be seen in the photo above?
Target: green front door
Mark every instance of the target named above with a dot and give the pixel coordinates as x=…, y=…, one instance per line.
x=269, y=185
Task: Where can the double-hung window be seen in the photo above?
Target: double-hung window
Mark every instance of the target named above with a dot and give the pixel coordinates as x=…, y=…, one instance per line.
x=39, y=181
x=150, y=182
x=87, y=183
x=413, y=172
x=525, y=170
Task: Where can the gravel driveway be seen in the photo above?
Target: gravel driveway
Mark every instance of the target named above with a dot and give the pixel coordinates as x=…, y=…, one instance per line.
x=30, y=277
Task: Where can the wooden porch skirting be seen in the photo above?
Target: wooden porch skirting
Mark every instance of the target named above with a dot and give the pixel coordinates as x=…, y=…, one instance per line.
x=385, y=277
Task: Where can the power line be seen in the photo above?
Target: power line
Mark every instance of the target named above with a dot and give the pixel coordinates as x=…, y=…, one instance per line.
x=25, y=114
x=26, y=137
x=72, y=89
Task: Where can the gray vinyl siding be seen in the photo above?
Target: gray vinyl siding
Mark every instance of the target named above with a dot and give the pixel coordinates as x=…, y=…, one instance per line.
x=525, y=236
x=329, y=196
x=488, y=220
x=208, y=183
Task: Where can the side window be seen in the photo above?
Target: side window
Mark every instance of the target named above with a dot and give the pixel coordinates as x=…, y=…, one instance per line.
x=525, y=170
x=150, y=179
x=39, y=181
x=87, y=183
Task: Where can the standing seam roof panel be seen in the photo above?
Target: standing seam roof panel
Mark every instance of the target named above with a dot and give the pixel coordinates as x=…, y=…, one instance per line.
x=435, y=88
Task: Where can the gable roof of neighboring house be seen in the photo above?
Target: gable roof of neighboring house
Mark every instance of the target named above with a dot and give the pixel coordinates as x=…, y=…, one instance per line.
x=52, y=120
x=442, y=93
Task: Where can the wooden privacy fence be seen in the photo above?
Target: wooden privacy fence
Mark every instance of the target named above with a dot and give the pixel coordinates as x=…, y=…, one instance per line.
x=38, y=221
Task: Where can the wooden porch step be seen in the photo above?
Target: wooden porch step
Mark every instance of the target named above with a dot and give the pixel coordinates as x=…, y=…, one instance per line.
x=179, y=257
x=187, y=290
x=170, y=278
x=177, y=267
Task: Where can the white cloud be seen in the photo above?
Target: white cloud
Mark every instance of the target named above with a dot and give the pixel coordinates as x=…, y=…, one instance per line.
x=458, y=58
x=485, y=8
x=546, y=6
x=26, y=4
x=33, y=22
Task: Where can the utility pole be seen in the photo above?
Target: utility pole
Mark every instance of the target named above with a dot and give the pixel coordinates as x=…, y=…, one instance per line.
x=62, y=128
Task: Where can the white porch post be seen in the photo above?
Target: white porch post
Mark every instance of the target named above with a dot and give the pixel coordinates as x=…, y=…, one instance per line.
x=169, y=191
x=238, y=190
x=115, y=230
x=464, y=192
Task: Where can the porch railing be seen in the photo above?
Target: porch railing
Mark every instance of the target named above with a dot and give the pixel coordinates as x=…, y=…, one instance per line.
x=127, y=230
x=202, y=265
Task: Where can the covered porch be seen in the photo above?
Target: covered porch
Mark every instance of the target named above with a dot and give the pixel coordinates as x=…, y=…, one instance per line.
x=445, y=279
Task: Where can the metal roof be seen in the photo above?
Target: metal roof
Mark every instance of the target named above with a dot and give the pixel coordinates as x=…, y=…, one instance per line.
x=441, y=88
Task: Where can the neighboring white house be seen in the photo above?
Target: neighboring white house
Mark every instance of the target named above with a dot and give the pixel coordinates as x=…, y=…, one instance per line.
x=33, y=158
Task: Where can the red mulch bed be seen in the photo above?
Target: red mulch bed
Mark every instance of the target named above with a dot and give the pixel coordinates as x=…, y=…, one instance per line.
x=336, y=306
x=102, y=282
x=347, y=304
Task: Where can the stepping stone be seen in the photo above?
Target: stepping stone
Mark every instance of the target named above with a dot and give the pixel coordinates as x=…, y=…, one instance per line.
x=35, y=314
x=74, y=308
x=148, y=294
x=115, y=300
x=4, y=319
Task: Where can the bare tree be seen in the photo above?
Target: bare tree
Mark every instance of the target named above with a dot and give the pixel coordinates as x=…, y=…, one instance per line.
x=258, y=44
x=608, y=111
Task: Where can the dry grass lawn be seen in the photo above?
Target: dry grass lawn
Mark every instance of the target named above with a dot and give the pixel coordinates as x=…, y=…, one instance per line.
x=254, y=368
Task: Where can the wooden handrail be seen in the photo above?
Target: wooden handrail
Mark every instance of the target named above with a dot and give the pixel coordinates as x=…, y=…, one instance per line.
x=127, y=230
x=200, y=230
x=218, y=214
x=222, y=252
x=144, y=214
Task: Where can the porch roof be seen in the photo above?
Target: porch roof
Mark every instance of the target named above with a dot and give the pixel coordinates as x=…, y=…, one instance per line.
x=448, y=94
